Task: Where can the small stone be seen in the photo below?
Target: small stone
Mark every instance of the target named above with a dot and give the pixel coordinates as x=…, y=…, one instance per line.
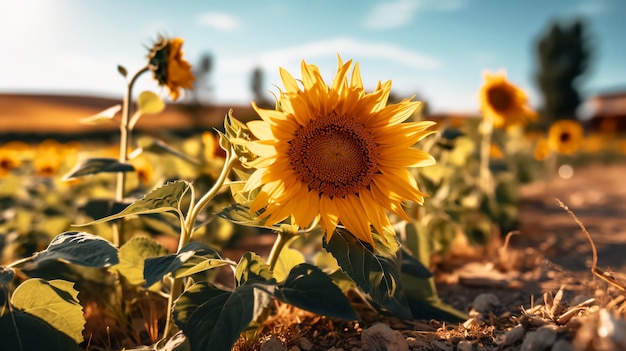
x=335, y=349
x=539, y=340
x=464, y=345
x=294, y=348
x=380, y=337
x=439, y=345
x=485, y=303
x=273, y=344
x=562, y=345
x=514, y=335
x=305, y=344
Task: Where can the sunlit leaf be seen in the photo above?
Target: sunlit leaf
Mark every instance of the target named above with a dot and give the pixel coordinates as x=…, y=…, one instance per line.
x=199, y=264
x=133, y=254
x=79, y=248
x=92, y=166
x=377, y=276
x=240, y=214
x=24, y=331
x=287, y=259
x=102, y=116
x=157, y=267
x=213, y=319
x=55, y=302
x=252, y=267
x=150, y=103
x=308, y=288
x=159, y=147
x=164, y=199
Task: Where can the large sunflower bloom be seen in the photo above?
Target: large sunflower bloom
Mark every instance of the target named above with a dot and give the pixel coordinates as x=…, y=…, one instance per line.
x=503, y=103
x=565, y=136
x=169, y=67
x=336, y=153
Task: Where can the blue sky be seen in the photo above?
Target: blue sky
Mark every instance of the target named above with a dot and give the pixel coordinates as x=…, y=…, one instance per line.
x=436, y=49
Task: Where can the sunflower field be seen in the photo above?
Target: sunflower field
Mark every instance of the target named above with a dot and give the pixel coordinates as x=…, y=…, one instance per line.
x=337, y=219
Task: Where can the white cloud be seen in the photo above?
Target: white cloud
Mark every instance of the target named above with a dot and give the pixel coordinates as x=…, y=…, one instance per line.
x=397, y=13
x=346, y=47
x=223, y=22
x=590, y=8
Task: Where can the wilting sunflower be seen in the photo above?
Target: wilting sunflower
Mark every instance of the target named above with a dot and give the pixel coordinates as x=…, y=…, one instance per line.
x=565, y=136
x=169, y=67
x=336, y=153
x=503, y=103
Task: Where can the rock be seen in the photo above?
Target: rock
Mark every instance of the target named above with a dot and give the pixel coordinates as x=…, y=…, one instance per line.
x=439, y=345
x=485, y=303
x=335, y=349
x=464, y=345
x=272, y=344
x=562, y=345
x=514, y=335
x=305, y=344
x=540, y=340
x=380, y=337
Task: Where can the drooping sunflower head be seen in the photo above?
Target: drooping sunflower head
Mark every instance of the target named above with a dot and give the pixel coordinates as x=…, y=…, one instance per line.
x=168, y=66
x=565, y=136
x=503, y=103
x=336, y=153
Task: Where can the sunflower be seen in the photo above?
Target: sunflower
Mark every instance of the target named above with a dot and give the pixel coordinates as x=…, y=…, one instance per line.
x=503, y=103
x=336, y=153
x=565, y=136
x=169, y=67
x=542, y=150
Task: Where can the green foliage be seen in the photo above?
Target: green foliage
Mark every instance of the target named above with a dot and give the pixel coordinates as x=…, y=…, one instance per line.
x=164, y=199
x=308, y=288
x=563, y=55
x=377, y=276
x=192, y=258
x=54, y=302
x=132, y=256
x=79, y=248
x=97, y=165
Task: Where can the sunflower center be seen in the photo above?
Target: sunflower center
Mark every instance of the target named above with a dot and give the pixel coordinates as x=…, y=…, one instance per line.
x=565, y=137
x=499, y=98
x=334, y=155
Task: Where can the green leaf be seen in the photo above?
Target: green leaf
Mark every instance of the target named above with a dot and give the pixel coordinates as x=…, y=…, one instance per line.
x=421, y=292
x=412, y=266
x=213, y=319
x=102, y=116
x=197, y=264
x=92, y=166
x=163, y=199
x=157, y=267
x=80, y=248
x=159, y=147
x=308, y=288
x=55, y=302
x=240, y=214
x=149, y=102
x=287, y=259
x=122, y=70
x=252, y=267
x=377, y=276
x=133, y=254
x=24, y=331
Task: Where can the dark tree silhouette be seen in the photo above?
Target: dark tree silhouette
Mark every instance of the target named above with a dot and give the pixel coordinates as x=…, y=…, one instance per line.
x=563, y=57
x=258, y=93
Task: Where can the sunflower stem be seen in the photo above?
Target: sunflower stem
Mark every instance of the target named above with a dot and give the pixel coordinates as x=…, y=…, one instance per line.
x=118, y=238
x=485, y=179
x=186, y=232
x=283, y=237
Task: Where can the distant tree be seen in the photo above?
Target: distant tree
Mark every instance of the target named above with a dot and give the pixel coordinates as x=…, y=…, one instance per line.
x=258, y=92
x=203, y=73
x=563, y=54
